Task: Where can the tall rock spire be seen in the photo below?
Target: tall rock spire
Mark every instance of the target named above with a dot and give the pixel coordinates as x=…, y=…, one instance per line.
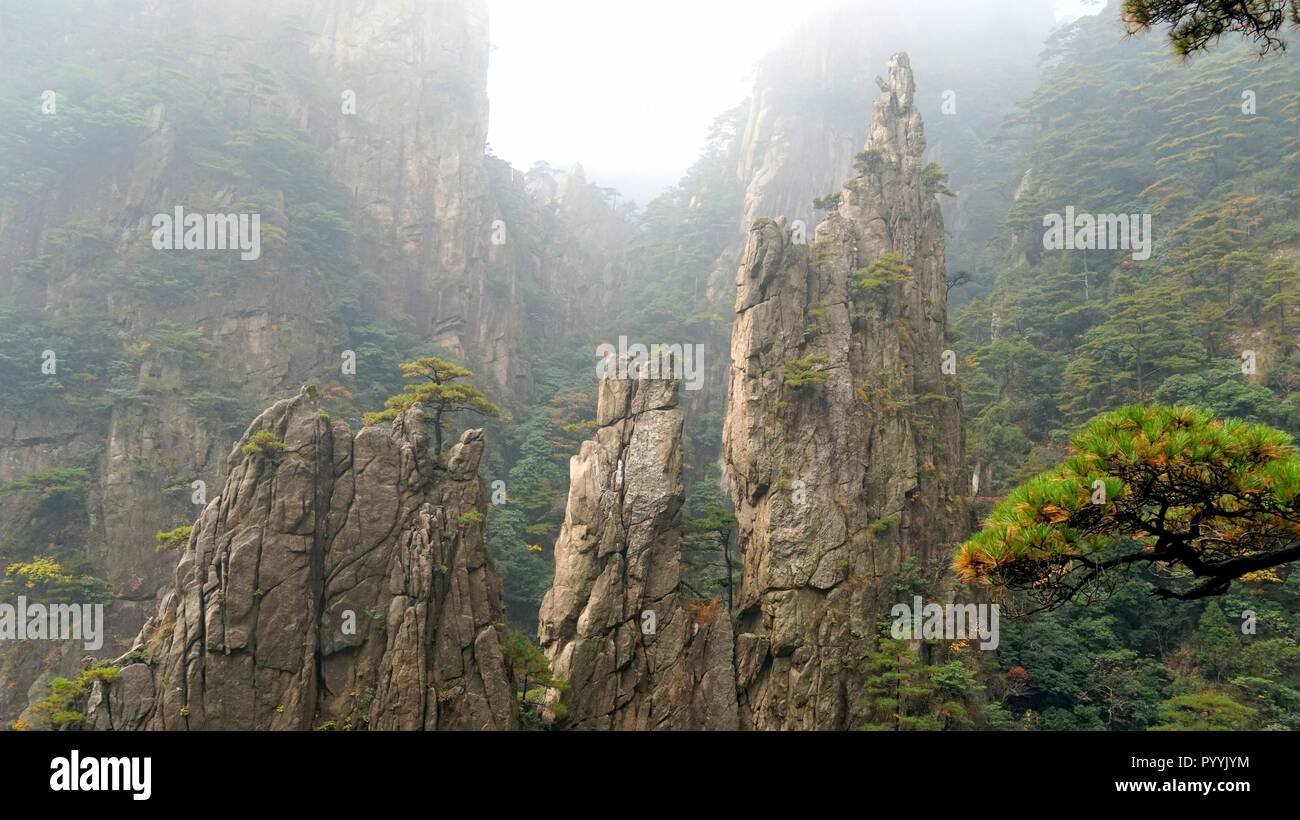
x=842, y=442
x=633, y=652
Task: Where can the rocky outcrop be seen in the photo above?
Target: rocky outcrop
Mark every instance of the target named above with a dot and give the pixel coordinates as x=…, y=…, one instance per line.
x=380, y=108
x=340, y=582
x=411, y=156
x=842, y=441
x=633, y=651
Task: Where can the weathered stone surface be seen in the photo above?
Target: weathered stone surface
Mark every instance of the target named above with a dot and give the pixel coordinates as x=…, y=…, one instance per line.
x=618, y=569
x=837, y=483
x=344, y=582
x=423, y=204
x=413, y=156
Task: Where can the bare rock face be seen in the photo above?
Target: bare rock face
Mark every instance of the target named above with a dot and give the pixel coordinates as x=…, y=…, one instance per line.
x=837, y=482
x=634, y=653
x=340, y=583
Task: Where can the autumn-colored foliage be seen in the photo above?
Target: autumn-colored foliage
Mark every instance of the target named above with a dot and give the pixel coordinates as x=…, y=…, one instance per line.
x=705, y=612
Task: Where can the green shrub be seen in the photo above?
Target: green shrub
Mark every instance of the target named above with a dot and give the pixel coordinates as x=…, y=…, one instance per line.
x=935, y=180
x=63, y=706
x=43, y=571
x=802, y=372
x=263, y=443
x=48, y=483
x=880, y=525
x=888, y=270
x=173, y=539
x=869, y=161
x=827, y=203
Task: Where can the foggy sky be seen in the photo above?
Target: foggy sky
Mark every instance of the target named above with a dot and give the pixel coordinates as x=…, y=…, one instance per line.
x=629, y=88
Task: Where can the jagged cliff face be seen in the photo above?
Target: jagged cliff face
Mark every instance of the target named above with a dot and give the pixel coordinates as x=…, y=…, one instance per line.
x=389, y=100
x=837, y=483
x=633, y=652
x=486, y=262
x=411, y=158
x=341, y=583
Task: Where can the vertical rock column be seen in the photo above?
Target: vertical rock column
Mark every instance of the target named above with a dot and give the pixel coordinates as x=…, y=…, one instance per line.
x=838, y=480
x=634, y=654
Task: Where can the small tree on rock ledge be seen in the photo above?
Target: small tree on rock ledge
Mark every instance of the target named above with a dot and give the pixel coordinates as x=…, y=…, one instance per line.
x=444, y=390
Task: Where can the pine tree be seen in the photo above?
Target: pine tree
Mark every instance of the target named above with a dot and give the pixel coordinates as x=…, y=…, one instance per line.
x=445, y=389
x=897, y=689
x=1194, y=26
x=1186, y=494
x=1282, y=284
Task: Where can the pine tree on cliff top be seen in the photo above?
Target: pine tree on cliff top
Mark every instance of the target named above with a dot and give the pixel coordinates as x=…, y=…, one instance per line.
x=445, y=389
